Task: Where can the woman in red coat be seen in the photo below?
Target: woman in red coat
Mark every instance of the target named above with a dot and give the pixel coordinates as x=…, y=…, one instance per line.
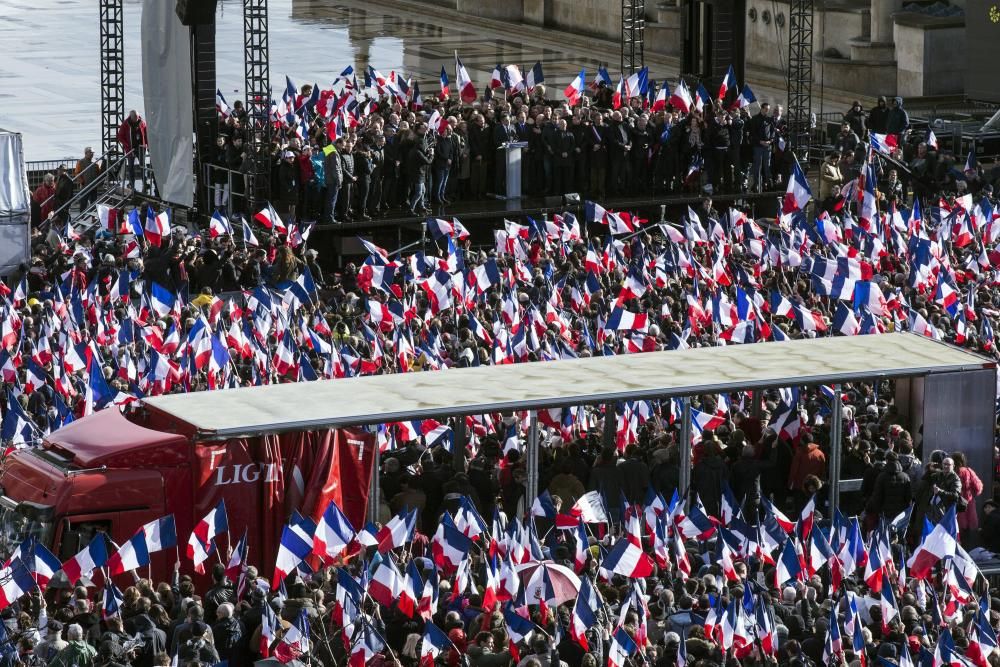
x=972, y=487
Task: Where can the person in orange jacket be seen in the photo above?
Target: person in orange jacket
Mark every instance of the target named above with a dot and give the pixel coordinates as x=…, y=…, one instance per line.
x=809, y=459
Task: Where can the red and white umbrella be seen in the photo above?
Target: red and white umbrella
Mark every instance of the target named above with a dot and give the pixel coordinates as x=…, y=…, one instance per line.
x=548, y=581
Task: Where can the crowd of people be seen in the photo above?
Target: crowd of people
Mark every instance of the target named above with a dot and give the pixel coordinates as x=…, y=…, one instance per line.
x=384, y=157
x=101, y=318
x=644, y=581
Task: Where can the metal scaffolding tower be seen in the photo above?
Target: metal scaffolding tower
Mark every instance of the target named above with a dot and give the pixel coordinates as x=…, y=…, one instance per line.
x=633, y=32
x=800, y=76
x=258, y=100
x=112, y=45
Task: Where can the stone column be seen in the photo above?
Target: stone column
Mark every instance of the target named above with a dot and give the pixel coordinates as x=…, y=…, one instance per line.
x=534, y=12
x=882, y=11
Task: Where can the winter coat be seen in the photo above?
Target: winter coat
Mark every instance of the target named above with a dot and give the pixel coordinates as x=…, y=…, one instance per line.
x=154, y=638
x=607, y=478
x=707, y=478
x=443, y=152
x=829, y=176
x=230, y=640
x=288, y=183
x=478, y=657
x=808, y=460
x=77, y=654
x=333, y=174
x=745, y=479
x=972, y=487
x=912, y=466
x=417, y=161
x=897, y=120
x=893, y=491
x=635, y=478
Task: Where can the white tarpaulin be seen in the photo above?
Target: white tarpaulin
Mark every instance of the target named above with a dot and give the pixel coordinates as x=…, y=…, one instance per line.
x=166, y=87
x=15, y=207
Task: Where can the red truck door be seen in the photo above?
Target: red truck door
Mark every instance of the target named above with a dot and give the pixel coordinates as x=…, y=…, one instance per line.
x=264, y=479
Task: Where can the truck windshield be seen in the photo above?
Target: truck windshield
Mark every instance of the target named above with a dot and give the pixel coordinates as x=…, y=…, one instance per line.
x=18, y=523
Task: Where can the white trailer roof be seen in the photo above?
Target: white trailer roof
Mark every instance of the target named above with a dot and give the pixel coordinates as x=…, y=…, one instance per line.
x=389, y=398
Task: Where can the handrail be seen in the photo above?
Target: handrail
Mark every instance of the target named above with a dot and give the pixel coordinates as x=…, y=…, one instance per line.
x=93, y=163
x=90, y=187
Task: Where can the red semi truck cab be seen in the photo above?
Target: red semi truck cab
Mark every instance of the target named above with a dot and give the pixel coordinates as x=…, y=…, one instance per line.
x=112, y=473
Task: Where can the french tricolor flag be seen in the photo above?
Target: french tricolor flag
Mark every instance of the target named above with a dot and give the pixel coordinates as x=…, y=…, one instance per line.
x=869, y=295
x=157, y=227
x=789, y=567
x=134, y=223
x=628, y=559
x=621, y=319
x=200, y=544
x=660, y=103
x=620, y=96
x=270, y=219
x=236, y=567
x=42, y=564
x=219, y=225
x=939, y=544
x=152, y=537
x=434, y=643
x=333, y=533
x=16, y=581
x=728, y=83
x=397, y=532
x=285, y=355
x=827, y=229
x=438, y=289
x=295, y=546
x=497, y=77
x=621, y=649
x=109, y=217
x=696, y=524
x=449, y=547
x=411, y=588
x=386, y=583
x=702, y=420
x=543, y=506
x=445, y=91
x=535, y=76
x=161, y=299
x=574, y=90
x=681, y=98
x=584, y=617
x=485, y=275
x=884, y=143
x=466, y=89
x=845, y=322
x=982, y=640
x=798, y=193
x=220, y=104
x=770, y=510
x=745, y=98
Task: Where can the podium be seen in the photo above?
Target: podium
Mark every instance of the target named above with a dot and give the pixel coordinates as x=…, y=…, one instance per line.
x=512, y=160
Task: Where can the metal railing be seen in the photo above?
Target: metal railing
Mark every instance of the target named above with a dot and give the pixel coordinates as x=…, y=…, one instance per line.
x=38, y=168
x=233, y=200
x=101, y=178
x=105, y=189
